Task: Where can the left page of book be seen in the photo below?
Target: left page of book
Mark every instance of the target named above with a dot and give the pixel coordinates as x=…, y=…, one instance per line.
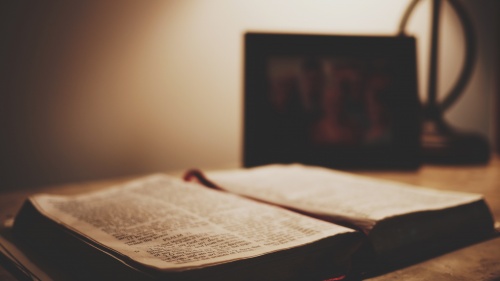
x=167, y=224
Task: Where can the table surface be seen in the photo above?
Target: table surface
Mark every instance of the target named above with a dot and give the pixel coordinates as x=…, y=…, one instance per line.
x=476, y=262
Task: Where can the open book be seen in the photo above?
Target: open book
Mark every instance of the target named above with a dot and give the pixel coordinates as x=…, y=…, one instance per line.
x=402, y=223
x=162, y=228
x=278, y=222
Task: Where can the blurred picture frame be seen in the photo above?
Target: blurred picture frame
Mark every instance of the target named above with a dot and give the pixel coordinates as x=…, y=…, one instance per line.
x=334, y=101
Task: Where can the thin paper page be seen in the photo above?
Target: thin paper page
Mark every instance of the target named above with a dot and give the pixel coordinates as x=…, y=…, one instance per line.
x=172, y=225
x=21, y=261
x=328, y=192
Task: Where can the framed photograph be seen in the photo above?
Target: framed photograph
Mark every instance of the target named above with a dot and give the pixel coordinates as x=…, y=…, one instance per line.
x=335, y=101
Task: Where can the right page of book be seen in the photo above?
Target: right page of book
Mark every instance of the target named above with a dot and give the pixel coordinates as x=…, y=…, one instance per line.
x=327, y=192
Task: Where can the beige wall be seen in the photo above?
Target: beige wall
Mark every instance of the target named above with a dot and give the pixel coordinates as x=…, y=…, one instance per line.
x=104, y=88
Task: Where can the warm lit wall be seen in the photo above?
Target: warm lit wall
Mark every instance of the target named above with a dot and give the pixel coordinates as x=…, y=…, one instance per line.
x=102, y=88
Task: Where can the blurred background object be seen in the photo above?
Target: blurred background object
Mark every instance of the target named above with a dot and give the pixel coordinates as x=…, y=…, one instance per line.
x=347, y=102
x=93, y=89
x=441, y=143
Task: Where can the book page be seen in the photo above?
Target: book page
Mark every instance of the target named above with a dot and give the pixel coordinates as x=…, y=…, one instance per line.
x=327, y=192
x=169, y=224
x=20, y=261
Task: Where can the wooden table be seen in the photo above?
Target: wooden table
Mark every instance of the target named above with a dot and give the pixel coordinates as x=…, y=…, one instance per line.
x=477, y=262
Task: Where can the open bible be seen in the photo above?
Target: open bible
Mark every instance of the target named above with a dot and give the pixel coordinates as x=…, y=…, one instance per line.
x=403, y=223
x=162, y=228
x=276, y=222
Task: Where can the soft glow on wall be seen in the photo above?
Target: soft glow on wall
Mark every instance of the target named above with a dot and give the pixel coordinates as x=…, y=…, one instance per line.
x=118, y=87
